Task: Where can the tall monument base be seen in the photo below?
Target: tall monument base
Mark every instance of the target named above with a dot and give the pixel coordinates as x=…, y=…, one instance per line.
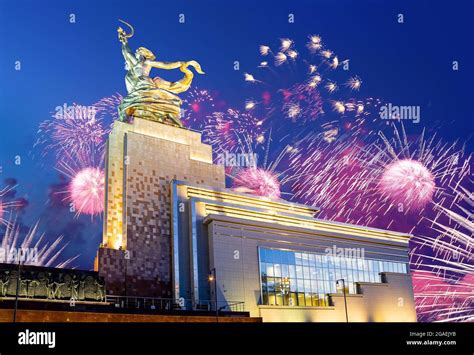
x=135, y=256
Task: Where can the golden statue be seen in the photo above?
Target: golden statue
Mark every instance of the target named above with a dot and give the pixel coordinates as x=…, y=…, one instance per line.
x=151, y=98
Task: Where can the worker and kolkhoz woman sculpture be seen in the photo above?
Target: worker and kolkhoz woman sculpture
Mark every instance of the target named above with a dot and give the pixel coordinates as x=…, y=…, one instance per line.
x=152, y=98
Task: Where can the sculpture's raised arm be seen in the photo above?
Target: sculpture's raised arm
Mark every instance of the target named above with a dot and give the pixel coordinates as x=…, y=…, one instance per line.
x=128, y=55
x=126, y=51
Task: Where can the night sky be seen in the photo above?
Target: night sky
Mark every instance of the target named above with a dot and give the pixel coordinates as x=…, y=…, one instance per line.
x=81, y=62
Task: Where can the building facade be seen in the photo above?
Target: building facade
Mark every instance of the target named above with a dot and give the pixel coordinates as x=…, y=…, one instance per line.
x=171, y=223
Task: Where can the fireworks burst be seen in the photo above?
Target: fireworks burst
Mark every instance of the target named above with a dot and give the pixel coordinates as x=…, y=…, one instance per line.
x=303, y=103
x=46, y=254
x=197, y=105
x=87, y=191
x=408, y=182
x=86, y=188
x=301, y=85
x=375, y=185
x=257, y=181
x=74, y=132
x=444, y=280
x=226, y=130
x=107, y=109
x=6, y=204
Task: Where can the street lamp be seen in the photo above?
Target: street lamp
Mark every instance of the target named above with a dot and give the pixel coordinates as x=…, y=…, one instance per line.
x=213, y=278
x=344, y=292
x=18, y=280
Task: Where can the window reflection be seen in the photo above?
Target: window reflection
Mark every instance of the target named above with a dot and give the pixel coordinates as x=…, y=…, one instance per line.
x=291, y=278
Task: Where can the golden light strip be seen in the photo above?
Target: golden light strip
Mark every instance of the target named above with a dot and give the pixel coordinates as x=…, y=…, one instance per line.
x=234, y=198
x=302, y=223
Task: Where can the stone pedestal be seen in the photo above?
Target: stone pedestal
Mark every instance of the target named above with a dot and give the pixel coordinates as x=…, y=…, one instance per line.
x=142, y=159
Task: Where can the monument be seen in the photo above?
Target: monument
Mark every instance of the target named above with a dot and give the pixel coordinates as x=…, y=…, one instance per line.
x=174, y=233
x=146, y=150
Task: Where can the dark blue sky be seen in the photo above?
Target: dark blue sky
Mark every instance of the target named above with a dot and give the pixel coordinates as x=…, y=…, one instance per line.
x=81, y=62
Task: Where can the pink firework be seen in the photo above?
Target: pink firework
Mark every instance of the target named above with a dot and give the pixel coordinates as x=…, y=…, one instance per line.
x=197, y=105
x=228, y=130
x=107, y=107
x=258, y=182
x=74, y=133
x=86, y=191
x=302, y=102
x=7, y=203
x=408, y=182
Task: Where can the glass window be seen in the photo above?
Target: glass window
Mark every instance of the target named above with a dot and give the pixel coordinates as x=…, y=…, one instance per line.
x=271, y=284
x=291, y=258
x=370, y=264
x=390, y=267
x=306, y=273
x=329, y=261
x=293, y=286
x=300, y=278
x=300, y=285
x=270, y=270
x=305, y=258
x=299, y=271
x=376, y=266
x=318, y=261
x=277, y=270
x=292, y=270
x=298, y=259
x=343, y=263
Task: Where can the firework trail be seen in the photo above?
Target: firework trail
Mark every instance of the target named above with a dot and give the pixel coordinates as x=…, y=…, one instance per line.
x=47, y=253
x=86, y=188
x=107, y=109
x=6, y=203
x=306, y=85
x=197, y=106
x=377, y=183
x=257, y=181
x=225, y=131
x=444, y=278
x=266, y=175
x=73, y=132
